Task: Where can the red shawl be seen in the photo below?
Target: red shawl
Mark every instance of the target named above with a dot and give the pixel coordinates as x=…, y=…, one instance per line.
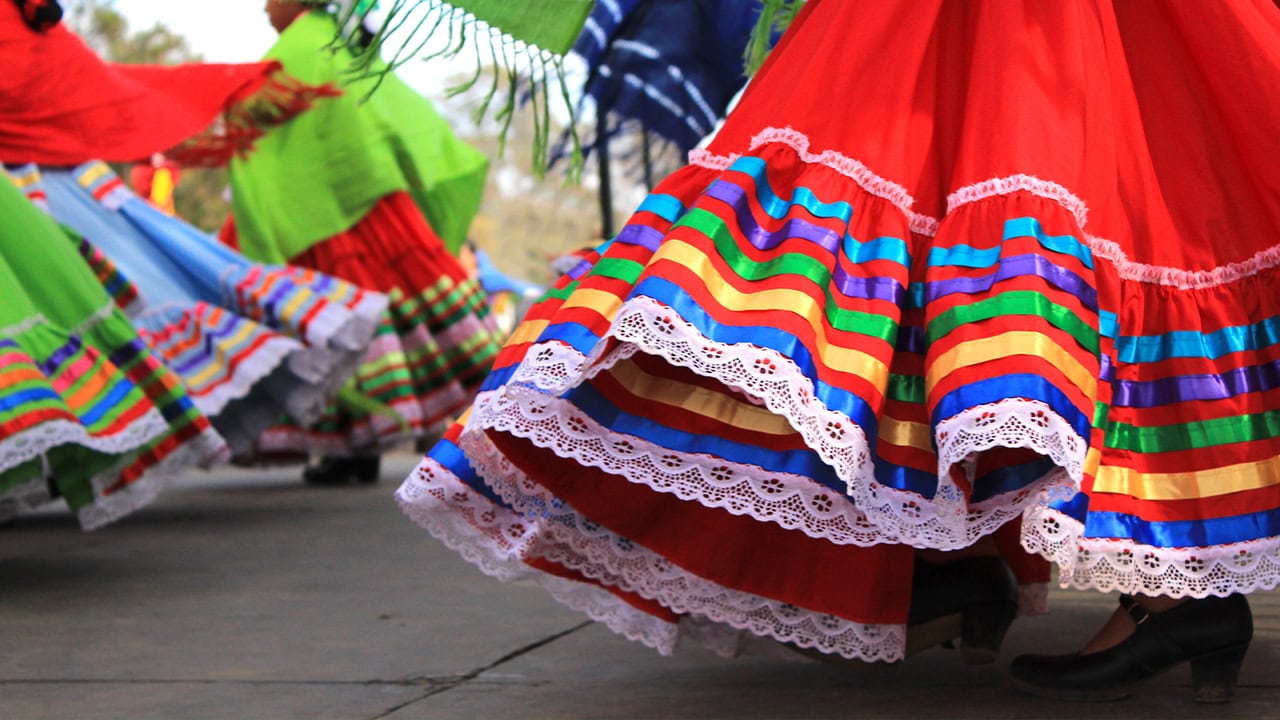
x=60, y=104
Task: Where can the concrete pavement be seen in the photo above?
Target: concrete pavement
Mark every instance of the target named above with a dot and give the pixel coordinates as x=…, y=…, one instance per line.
x=244, y=594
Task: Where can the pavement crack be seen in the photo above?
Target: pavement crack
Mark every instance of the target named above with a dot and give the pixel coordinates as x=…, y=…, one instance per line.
x=470, y=675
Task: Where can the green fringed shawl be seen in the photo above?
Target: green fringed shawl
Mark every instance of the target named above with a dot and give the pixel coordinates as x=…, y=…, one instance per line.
x=521, y=42
x=775, y=17
x=552, y=25
x=319, y=174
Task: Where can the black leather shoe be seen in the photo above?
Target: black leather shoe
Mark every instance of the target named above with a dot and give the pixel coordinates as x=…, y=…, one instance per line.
x=974, y=600
x=366, y=469
x=1212, y=634
x=332, y=470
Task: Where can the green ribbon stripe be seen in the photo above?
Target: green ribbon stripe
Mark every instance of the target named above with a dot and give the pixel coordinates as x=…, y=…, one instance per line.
x=1017, y=302
x=802, y=266
x=1193, y=435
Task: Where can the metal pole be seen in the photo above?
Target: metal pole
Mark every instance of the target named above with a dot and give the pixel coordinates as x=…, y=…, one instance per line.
x=647, y=157
x=602, y=162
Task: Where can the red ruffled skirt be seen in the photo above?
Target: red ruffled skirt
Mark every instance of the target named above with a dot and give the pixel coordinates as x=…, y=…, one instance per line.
x=434, y=348
x=949, y=267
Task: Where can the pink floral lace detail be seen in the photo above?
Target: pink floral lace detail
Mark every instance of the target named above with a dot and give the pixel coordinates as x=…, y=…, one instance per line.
x=926, y=225
x=851, y=168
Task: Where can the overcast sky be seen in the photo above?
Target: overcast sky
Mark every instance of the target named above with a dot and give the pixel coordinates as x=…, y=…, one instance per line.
x=223, y=31
x=238, y=31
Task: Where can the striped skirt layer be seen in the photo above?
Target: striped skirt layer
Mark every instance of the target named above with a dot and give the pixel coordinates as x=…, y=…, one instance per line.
x=431, y=349
x=87, y=412
x=839, y=336
x=252, y=343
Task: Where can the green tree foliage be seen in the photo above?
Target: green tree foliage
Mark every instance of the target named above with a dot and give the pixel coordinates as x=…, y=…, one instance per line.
x=199, y=197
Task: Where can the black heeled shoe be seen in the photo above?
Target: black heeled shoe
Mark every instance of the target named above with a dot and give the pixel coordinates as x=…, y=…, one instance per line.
x=363, y=469
x=1212, y=634
x=366, y=469
x=973, y=600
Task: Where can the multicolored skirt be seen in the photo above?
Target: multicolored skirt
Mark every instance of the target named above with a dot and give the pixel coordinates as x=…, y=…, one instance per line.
x=948, y=267
x=431, y=350
x=87, y=412
x=252, y=343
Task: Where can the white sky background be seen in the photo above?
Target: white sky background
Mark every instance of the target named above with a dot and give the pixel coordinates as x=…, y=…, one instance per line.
x=238, y=31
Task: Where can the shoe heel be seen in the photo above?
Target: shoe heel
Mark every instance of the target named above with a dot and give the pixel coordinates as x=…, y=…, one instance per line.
x=982, y=631
x=1213, y=676
x=930, y=634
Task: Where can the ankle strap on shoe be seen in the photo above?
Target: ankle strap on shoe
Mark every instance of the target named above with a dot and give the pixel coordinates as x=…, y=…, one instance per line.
x=1135, y=609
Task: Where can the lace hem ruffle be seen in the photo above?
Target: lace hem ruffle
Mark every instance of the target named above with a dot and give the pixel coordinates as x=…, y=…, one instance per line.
x=28, y=444
x=203, y=450
x=790, y=501
x=1129, y=567
x=878, y=513
x=495, y=540
x=579, y=545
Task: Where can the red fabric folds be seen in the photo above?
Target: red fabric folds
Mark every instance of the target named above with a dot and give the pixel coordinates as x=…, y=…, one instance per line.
x=61, y=104
x=391, y=247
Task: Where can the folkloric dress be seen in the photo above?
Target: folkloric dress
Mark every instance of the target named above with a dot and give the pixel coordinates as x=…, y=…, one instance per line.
x=948, y=267
x=374, y=189
x=252, y=343
x=87, y=412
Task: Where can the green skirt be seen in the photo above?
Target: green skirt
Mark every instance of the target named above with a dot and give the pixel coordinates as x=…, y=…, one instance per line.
x=87, y=413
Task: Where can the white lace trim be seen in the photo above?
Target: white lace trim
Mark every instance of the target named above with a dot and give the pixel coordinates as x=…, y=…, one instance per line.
x=729, y=642
x=94, y=318
x=203, y=450
x=579, y=544
x=26, y=495
x=949, y=520
x=106, y=509
x=1261, y=261
x=558, y=533
x=495, y=540
x=552, y=366
x=619, y=616
x=878, y=514
x=1108, y=249
x=1130, y=567
x=24, y=325
x=1127, y=269
x=356, y=326
x=28, y=444
x=791, y=501
x=760, y=374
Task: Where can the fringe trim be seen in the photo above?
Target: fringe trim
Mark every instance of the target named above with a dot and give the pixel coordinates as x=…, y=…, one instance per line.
x=520, y=72
x=273, y=101
x=775, y=17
